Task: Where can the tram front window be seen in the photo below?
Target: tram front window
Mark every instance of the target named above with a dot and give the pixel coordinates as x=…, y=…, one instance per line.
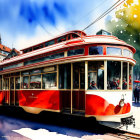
x=96, y=75
x=113, y=75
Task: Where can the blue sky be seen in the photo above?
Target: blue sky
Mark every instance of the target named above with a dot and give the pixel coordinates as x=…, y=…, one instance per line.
x=26, y=22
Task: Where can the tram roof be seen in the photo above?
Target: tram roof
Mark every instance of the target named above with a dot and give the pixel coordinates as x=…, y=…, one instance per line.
x=66, y=33
x=91, y=39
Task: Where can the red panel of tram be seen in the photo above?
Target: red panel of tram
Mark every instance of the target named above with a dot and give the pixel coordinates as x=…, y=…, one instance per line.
x=1, y=97
x=41, y=99
x=96, y=105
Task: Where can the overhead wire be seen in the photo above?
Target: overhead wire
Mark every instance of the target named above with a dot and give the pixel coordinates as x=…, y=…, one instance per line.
x=105, y=13
x=82, y=17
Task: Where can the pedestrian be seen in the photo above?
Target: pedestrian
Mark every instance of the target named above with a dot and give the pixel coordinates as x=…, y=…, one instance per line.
x=135, y=93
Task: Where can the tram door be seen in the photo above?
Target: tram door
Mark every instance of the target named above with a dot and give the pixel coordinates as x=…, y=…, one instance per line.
x=72, y=97
x=78, y=94
x=14, y=87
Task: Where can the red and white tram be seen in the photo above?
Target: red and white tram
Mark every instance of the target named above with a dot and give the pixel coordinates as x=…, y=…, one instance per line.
x=74, y=73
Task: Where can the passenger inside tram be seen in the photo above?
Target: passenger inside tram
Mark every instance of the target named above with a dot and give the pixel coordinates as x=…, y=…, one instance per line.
x=124, y=84
x=93, y=85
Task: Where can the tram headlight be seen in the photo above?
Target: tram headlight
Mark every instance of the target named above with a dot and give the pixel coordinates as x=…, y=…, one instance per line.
x=121, y=103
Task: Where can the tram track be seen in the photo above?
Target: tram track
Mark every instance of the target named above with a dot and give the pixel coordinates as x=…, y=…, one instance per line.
x=125, y=136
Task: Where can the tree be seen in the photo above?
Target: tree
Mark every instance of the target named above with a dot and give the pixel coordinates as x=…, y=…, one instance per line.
x=126, y=26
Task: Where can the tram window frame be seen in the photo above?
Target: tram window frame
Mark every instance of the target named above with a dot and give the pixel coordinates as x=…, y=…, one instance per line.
x=12, y=84
x=73, y=51
x=35, y=84
x=74, y=36
x=25, y=86
x=96, y=67
x=113, y=51
x=46, y=58
x=94, y=47
x=6, y=83
x=127, y=53
x=115, y=83
x=48, y=43
x=65, y=76
x=124, y=76
x=49, y=70
x=50, y=83
x=17, y=84
x=61, y=39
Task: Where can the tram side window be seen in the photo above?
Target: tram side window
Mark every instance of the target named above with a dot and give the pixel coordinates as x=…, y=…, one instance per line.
x=51, y=42
x=49, y=81
x=25, y=82
x=74, y=36
x=65, y=76
x=79, y=75
x=17, y=82
x=130, y=76
x=61, y=39
x=35, y=81
x=12, y=83
x=127, y=53
x=96, y=75
x=113, y=75
x=95, y=50
x=113, y=51
x=76, y=52
x=6, y=83
x=124, y=83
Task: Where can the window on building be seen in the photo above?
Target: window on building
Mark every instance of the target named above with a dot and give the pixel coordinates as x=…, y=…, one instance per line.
x=35, y=81
x=76, y=52
x=124, y=83
x=96, y=75
x=113, y=51
x=113, y=75
x=95, y=50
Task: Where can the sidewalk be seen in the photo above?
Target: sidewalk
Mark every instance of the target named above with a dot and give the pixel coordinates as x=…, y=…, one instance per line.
x=136, y=114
